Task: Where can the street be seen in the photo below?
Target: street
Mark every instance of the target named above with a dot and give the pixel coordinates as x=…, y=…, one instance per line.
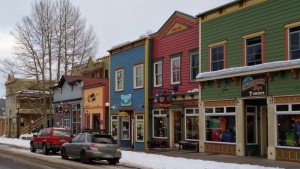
x=21, y=158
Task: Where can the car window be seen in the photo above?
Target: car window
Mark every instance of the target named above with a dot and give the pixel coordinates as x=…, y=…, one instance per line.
x=104, y=139
x=82, y=138
x=46, y=132
x=66, y=133
x=75, y=139
x=40, y=133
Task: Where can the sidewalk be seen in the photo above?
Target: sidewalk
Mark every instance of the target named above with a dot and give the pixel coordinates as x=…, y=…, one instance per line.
x=252, y=160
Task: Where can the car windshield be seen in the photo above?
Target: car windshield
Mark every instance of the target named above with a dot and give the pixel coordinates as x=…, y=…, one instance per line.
x=104, y=139
x=62, y=133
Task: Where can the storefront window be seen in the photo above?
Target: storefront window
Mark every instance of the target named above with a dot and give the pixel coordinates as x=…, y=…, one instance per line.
x=191, y=123
x=114, y=127
x=125, y=128
x=251, y=125
x=160, y=121
x=76, y=118
x=220, y=124
x=288, y=125
x=140, y=128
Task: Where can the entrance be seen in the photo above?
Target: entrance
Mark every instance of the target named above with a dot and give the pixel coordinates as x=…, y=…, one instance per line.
x=177, y=123
x=264, y=131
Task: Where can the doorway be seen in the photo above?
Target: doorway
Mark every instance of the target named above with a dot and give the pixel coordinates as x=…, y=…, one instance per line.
x=264, y=131
x=177, y=128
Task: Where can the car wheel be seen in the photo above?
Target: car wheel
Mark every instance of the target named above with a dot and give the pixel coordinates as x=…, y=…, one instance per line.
x=32, y=148
x=84, y=158
x=64, y=153
x=45, y=150
x=112, y=162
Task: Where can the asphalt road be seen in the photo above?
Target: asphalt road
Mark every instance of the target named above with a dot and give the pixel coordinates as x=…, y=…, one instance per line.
x=20, y=158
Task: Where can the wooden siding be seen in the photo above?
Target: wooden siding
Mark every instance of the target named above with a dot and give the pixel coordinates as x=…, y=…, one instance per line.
x=270, y=16
x=180, y=42
x=127, y=59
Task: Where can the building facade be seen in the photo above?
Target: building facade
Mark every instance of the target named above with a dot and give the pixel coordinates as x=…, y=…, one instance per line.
x=250, y=97
x=129, y=93
x=175, y=64
x=2, y=117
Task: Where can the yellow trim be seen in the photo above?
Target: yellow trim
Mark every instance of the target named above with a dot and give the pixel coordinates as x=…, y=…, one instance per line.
x=217, y=43
x=253, y=34
x=292, y=24
x=146, y=120
x=222, y=9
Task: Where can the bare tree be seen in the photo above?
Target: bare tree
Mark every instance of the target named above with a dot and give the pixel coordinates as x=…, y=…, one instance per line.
x=52, y=38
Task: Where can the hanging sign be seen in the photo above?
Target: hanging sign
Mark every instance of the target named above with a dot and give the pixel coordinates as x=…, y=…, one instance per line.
x=253, y=86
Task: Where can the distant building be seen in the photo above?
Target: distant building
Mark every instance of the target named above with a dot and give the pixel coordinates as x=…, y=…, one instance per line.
x=2, y=117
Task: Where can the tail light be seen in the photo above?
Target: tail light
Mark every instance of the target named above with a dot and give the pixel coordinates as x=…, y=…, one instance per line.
x=94, y=147
x=118, y=148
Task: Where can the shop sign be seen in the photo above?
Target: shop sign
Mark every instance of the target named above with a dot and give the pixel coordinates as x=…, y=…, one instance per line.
x=126, y=100
x=123, y=114
x=165, y=99
x=253, y=86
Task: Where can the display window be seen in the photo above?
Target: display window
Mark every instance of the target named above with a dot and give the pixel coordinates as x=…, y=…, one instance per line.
x=192, y=124
x=140, y=128
x=125, y=128
x=114, y=127
x=288, y=125
x=160, y=124
x=220, y=124
x=251, y=124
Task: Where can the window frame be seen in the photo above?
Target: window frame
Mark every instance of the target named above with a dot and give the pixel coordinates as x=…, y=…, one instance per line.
x=122, y=80
x=214, y=45
x=114, y=118
x=160, y=114
x=155, y=74
x=244, y=47
x=192, y=55
x=143, y=127
x=289, y=40
x=127, y=120
x=135, y=76
x=256, y=123
x=177, y=57
x=194, y=114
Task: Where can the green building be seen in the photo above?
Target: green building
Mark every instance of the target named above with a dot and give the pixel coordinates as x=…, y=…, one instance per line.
x=250, y=89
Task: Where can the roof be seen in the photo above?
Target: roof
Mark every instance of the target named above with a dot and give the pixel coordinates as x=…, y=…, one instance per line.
x=219, y=7
x=87, y=81
x=127, y=43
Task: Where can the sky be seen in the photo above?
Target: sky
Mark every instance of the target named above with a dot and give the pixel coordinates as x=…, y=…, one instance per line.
x=115, y=21
x=146, y=160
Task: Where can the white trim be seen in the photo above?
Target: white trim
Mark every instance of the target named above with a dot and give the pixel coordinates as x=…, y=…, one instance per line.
x=158, y=115
x=129, y=129
x=135, y=76
x=185, y=125
x=157, y=74
x=111, y=126
x=116, y=80
x=172, y=78
x=136, y=123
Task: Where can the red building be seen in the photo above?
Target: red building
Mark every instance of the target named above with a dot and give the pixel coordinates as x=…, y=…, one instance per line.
x=175, y=67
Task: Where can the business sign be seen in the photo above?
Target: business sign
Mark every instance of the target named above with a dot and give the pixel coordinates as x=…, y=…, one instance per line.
x=165, y=99
x=254, y=86
x=126, y=100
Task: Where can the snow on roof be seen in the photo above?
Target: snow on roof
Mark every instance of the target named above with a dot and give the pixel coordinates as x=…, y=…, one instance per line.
x=246, y=69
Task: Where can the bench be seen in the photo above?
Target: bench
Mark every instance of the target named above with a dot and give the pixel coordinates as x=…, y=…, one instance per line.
x=156, y=143
x=188, y=144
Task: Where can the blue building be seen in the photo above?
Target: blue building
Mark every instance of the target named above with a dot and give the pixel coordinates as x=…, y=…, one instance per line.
x=129, y=93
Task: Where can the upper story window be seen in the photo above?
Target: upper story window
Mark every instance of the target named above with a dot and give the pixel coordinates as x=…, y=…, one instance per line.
x=106, y=73
x=294, y=43
x=194, y=58
x=217, y=56
x=175, y=70
x=253, y=46
x=119, y=80
x=157, y=74
x=138, y=76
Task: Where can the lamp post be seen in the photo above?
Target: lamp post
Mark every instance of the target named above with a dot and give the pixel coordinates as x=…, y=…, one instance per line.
x=18, y=121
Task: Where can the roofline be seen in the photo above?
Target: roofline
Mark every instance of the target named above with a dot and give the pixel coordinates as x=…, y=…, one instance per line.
x=216, y=8
x=174, y=13
x=128, y=43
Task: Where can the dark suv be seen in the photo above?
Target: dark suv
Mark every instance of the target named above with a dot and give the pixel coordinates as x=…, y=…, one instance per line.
x=50, y=139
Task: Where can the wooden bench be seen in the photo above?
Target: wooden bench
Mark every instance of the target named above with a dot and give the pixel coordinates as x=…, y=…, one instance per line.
x=156, y=143
x=187, y=144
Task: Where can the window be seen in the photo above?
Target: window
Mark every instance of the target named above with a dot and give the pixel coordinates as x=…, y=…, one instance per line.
x=194, y=58
x=76, y=118
x=175, y=70
x=138, y=76
x=288, y=125
x=157, y=74
x=160, y=124
x=253, y=51
x=192, y=124
x=251, y=124
x=106, y=73
x=125, y=128
x=114, y=127
x=217, y=57
x=119, y=77
x=294, y=43
x=139, y=128
x=220, y=124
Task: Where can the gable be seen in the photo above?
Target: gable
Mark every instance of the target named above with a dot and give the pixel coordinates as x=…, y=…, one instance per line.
x=177, y=27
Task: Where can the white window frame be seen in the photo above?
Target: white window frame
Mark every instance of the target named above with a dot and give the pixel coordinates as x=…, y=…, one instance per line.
x=137, y=121
x=135, y=76
x=157, y=74
x=191, y=65
x=114, y=118
x=194, y=114
x=121, y=87
x=289, y=40
x=126, y=119
x=161, y=114
x=256, y=128
x=172, y=70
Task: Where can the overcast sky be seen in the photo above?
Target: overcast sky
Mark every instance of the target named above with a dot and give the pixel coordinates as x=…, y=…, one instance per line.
x=116, y=21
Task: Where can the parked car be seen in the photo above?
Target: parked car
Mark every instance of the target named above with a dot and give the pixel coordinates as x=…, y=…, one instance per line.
x=92, y=146
x=50, y=139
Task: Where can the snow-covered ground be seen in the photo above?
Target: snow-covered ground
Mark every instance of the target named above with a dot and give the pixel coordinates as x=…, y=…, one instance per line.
x=144, y=160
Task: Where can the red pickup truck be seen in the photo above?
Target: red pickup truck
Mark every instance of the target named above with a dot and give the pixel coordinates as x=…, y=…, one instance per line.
x=50, y=139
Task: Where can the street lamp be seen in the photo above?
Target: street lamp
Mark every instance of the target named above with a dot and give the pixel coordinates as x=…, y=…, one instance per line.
x=18, y=121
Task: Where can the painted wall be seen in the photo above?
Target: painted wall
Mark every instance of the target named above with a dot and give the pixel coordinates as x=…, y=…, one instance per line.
x=67, y=93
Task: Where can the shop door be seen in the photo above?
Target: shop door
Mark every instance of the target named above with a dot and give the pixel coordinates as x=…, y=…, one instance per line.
x=177, y=127
x=264, y=131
